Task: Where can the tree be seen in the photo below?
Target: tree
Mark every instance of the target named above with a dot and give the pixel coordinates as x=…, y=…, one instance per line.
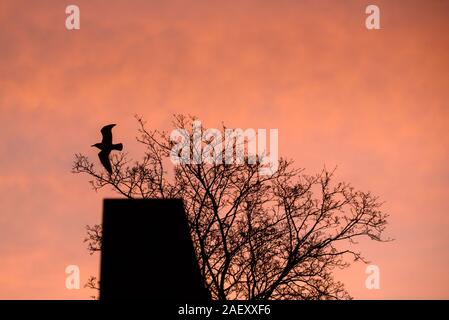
x=276, y=236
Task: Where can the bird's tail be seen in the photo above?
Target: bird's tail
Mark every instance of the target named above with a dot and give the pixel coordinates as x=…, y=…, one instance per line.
x=117, y=146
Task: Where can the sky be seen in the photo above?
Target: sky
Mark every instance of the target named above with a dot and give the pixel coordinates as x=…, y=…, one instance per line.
x=373, y=103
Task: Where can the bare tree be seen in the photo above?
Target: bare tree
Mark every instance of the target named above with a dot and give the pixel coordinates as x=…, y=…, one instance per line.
x=277, y=236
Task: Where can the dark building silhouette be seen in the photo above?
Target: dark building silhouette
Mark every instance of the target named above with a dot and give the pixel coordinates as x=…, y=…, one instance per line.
x=147, y=252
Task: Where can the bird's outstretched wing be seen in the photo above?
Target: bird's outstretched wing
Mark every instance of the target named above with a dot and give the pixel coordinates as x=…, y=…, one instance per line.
x=104, y=159
x=106, y=131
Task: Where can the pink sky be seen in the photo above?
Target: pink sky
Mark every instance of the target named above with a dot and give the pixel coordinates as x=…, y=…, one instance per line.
x=373, y=103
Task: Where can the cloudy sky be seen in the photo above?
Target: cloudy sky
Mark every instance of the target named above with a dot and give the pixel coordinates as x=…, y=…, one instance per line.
x=372, y=102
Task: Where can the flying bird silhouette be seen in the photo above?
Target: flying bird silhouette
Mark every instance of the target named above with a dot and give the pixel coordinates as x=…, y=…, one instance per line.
x=106, y=146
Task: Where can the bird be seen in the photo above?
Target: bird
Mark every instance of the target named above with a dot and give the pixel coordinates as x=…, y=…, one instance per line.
x=106, y=146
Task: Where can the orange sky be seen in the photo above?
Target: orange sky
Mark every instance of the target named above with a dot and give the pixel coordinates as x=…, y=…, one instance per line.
x=375, y=103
